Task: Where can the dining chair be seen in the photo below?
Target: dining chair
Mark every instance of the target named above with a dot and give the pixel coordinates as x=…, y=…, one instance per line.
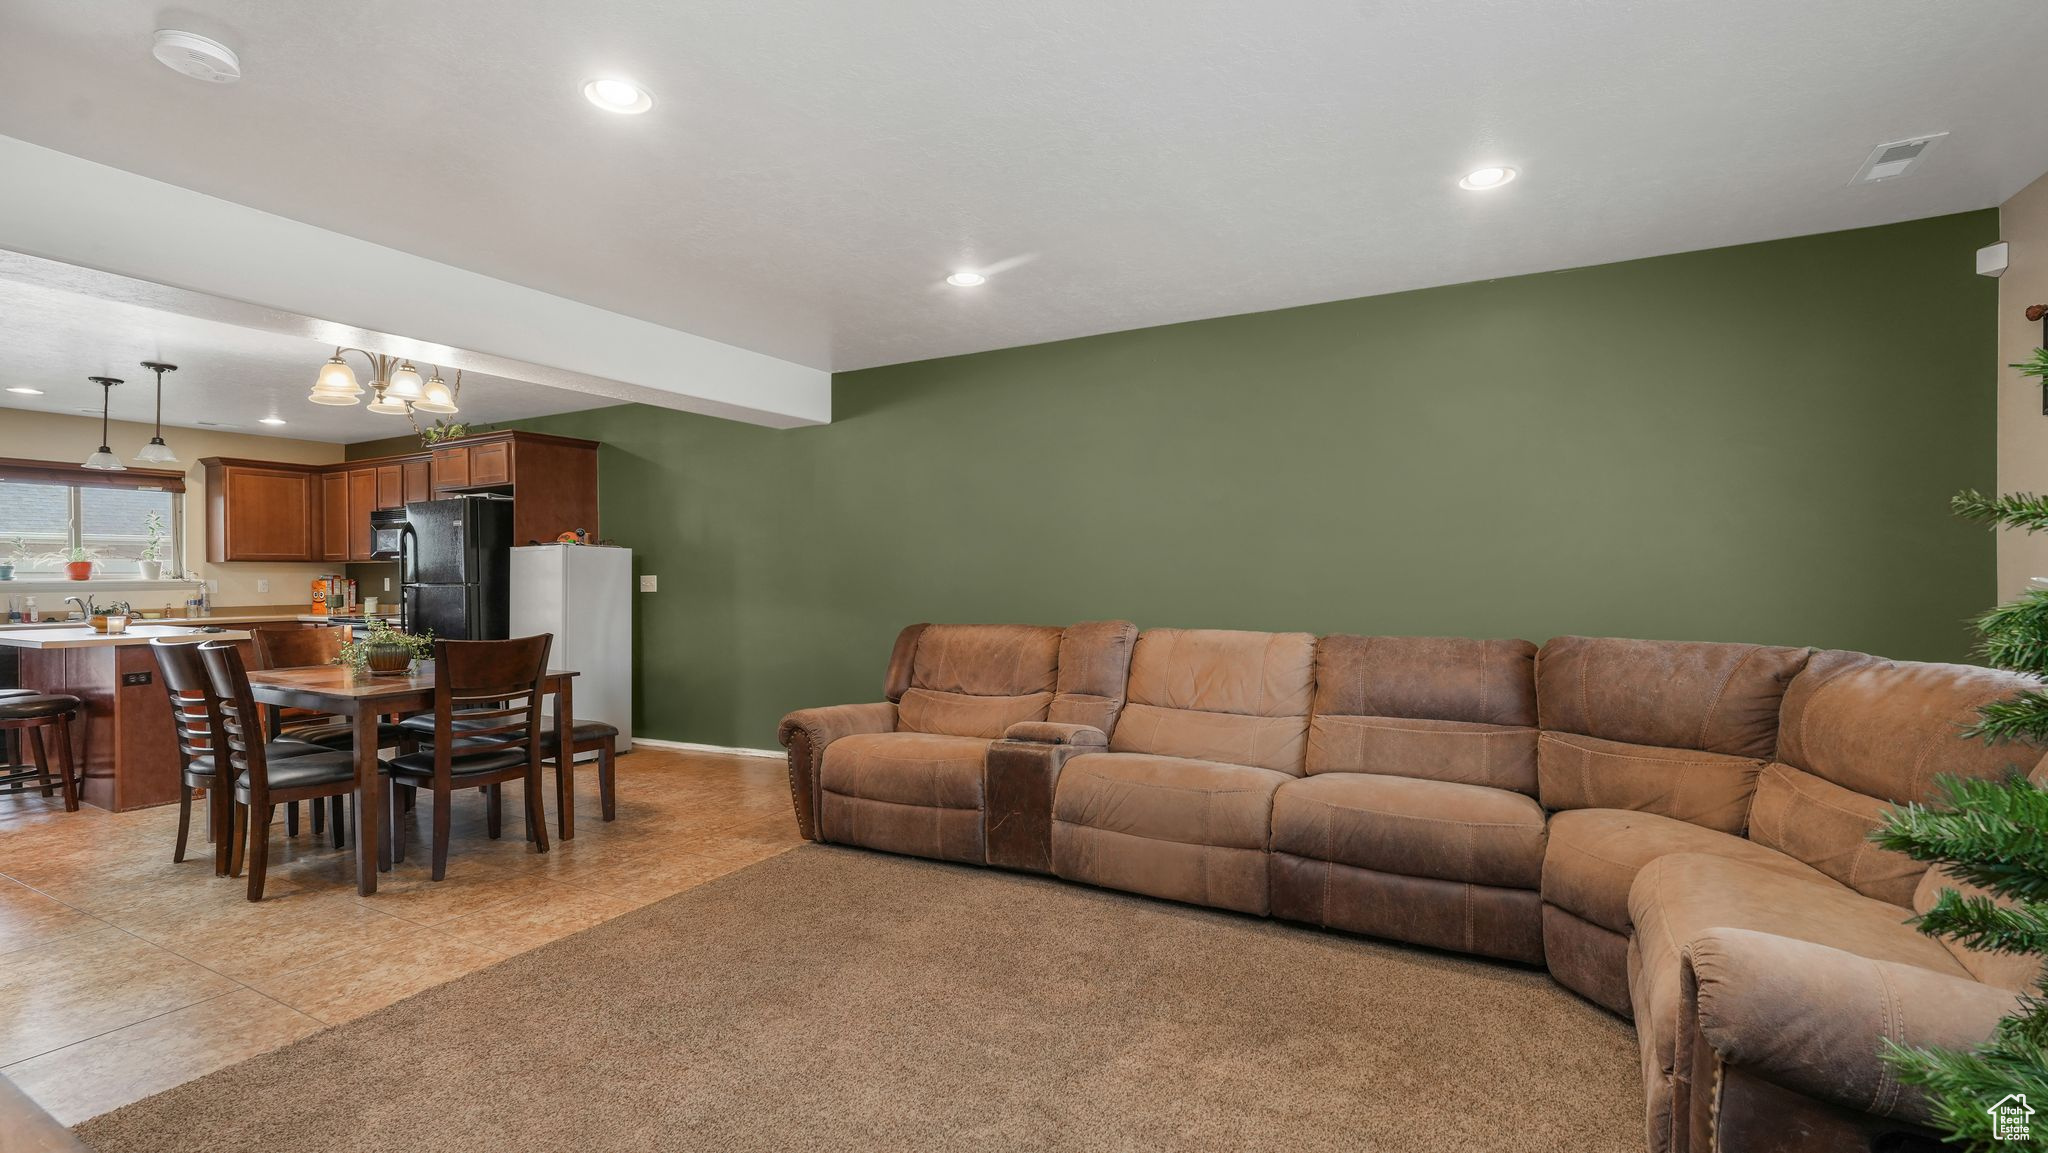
x=183, y=671
x=309, y=648
x=487, y=726
x=261, y=783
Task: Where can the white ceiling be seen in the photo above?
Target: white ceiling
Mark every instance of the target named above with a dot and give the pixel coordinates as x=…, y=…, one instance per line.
x=228, y=375
x=810, y=171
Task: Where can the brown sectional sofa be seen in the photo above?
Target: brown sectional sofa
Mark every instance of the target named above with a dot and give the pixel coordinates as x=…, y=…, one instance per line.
x=1678, y=831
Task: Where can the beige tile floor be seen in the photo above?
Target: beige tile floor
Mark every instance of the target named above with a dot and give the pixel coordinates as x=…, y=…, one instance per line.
x=123, y=974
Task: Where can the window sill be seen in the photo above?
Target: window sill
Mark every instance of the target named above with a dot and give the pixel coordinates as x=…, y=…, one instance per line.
x=37, y=586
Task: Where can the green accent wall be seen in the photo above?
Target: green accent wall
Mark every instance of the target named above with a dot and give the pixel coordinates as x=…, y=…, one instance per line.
x=1754, y=443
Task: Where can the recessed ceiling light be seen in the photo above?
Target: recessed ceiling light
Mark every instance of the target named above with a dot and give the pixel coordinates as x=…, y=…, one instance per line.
x=614, y=95
x=27, y=391
x=270, y=420
x=1484, y=179
x=966, y=279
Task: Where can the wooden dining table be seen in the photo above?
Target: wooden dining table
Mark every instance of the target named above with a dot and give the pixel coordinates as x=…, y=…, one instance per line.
x=366, y=699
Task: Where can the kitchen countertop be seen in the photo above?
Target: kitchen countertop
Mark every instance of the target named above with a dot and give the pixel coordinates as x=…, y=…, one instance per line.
x=84, y=637
x=230, y=617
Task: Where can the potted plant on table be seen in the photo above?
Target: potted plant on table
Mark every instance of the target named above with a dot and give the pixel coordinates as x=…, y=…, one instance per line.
x=150, y=560
x=383, y=651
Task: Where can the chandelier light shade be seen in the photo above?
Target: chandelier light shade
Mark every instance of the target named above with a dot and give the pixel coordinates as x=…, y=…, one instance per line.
x=388, y=405
x=436, y=397
x=156, y=451
x=336, y=384
x=405, y=383
x=104, y=460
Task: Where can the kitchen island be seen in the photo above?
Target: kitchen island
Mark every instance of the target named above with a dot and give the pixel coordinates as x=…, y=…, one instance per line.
x=124, y=743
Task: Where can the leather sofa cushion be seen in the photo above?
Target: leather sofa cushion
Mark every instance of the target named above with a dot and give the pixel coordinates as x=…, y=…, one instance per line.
x=1169, y=799
x=959, y=714
x=1829, y=827
x=977, y=680
x=1718, y=698
x=1219, y=695
x=1490, y=682
x=1594, y=855
x=1711, y=790
x=1413, y=828
x=1681, y=895
x=1887, y=728
x=1462, y=752
x=1094, y=666
x=926, y=769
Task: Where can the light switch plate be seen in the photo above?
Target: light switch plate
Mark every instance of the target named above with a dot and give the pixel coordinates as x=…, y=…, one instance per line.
x=262, y=586
x=647, y=584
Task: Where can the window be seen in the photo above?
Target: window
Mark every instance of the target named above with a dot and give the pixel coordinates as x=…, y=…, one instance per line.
x=42, y=522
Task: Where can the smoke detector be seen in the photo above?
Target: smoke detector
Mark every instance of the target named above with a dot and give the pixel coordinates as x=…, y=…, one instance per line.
x=196, y=56
x=1888, y=161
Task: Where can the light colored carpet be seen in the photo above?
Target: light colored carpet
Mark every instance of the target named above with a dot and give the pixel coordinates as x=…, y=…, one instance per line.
x=833, y=999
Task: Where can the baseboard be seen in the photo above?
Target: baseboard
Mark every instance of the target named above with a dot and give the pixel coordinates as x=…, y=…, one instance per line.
x=694, y=747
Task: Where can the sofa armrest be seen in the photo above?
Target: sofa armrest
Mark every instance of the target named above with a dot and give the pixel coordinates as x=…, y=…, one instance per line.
x=806, y=732
x=1019, y=778
x=1053, y=733
x=1811, y=1018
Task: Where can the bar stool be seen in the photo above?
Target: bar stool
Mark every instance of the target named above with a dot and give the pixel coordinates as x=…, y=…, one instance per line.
x=35, y=716
x=10, y=741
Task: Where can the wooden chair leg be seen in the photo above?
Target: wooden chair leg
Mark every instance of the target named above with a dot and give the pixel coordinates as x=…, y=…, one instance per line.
x=291, y=819
x=443, y=803
x=412, y=796
x=607, y=783
x=565, y=794
x=65, y=766
x=536, y=816
x=238, y=840
x=259, y=849
x=184, y=820
x=389, y=850
x=334, y=819
x=494, y=811
x=220, y=810
x=41, y=752
x=318, y=815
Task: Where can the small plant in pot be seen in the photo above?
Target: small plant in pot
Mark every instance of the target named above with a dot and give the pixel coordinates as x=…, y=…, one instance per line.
x=77, y=562
x=18, y=556
x=383, y=651
x=151, y=559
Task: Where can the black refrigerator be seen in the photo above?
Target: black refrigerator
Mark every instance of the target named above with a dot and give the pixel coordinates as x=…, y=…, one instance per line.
x=457, y=568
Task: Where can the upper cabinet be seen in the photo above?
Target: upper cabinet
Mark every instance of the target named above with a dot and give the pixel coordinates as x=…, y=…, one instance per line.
x=269, y=511
x=261, y=510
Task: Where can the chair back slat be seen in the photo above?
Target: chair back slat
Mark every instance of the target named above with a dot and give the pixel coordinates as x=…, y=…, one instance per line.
x=183, y=670
x=240, y=731
x=297, y=648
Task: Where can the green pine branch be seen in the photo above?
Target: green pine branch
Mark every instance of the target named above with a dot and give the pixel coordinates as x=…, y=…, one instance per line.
x=1960, y=1085
x=2015, y=634
x=2023, y=718
x=1993, y=834
x=1981, y=923
x=2021, y=510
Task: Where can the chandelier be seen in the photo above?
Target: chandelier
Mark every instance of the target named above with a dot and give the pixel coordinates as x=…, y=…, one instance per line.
x=398, y=387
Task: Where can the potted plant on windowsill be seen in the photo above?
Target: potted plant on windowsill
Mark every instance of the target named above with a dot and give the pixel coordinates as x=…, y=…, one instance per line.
x=383, y=651
x=77, y=562
x=17, y=557
x=150, y=560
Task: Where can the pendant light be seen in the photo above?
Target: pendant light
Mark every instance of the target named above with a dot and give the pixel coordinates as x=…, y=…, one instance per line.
x=156, y=451
x=436, y=397
x=104, y=460
x=405, y=383
x=336, y=384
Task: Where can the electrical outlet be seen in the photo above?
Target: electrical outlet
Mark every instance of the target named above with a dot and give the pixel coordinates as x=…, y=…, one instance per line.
x=262, y=586
x=387, y=584
x=647, y=584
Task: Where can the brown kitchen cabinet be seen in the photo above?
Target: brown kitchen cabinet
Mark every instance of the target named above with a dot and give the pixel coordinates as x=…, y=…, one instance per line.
x=272, y=511
x=261, y=511
x=419, y=478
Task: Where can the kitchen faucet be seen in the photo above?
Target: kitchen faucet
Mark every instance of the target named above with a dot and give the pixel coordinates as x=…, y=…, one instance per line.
x=88, y=608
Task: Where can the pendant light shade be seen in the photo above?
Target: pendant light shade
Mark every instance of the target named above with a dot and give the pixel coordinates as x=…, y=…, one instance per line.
x=104, y=460
x=405, y=383
x=156, y=451
x=336, y=384
x=436, y=397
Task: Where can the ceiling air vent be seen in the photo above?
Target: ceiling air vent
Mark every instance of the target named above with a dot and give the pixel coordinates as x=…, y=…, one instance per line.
x=1889, y=161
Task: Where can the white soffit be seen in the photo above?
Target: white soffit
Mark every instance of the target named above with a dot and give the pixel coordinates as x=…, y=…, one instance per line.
x=224, y=261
